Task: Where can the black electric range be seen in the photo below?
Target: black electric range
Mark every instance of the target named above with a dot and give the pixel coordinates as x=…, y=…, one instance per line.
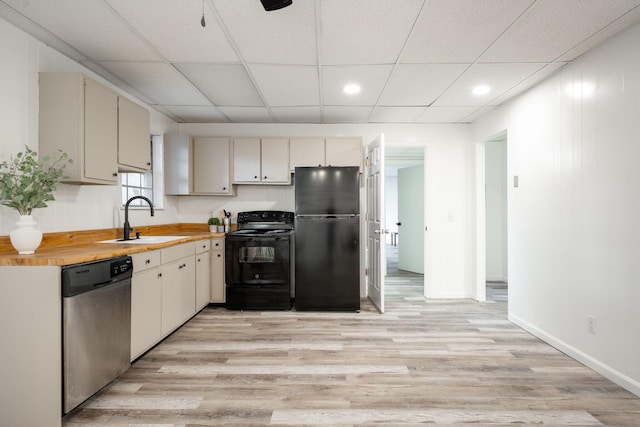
x=259, y=261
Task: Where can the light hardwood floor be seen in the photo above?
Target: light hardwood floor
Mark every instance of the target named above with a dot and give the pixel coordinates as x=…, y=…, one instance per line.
x=440, y=362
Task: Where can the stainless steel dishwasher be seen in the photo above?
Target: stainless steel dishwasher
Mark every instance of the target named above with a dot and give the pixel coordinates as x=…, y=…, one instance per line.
x=96, y=322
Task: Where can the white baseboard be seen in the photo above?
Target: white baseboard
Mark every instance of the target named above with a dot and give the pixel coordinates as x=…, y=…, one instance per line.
x=603, y=369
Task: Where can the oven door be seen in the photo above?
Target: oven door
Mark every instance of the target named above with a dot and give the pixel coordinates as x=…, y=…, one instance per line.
x=257, y=260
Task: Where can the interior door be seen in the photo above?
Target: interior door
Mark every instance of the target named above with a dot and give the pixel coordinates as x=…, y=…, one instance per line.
x=375, y=223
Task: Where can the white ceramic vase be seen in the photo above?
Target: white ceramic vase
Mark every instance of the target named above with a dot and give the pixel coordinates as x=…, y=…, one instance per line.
x=26, y=237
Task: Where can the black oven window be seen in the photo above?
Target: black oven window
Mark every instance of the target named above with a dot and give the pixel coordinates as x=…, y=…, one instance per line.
x=257, y=255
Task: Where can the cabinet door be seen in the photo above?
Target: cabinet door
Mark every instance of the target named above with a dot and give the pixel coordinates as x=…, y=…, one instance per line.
x=211, y=157
x=171, y=296
x=217, y=271
x=203, y=279
x=177, y=164
x=246, y=160
x=100, y=132
x=344, y=152
x=134, y=146
x=306, y=152
x=187, y=269
x=275, y=160
x=146, y=313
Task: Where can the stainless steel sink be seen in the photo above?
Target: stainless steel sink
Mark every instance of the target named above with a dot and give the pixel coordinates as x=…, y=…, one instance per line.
x=145, y=240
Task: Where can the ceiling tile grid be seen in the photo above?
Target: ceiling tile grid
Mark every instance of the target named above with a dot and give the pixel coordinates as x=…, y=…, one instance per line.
x=416, y=61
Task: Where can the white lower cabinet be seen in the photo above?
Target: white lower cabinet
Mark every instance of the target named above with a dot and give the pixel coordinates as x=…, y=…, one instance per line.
x=163, y=294
x=203, y=273
x=146, y=300
x=178, y=285
x=218, y=294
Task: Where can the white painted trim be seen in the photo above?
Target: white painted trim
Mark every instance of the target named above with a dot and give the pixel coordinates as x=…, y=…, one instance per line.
x=603, y=369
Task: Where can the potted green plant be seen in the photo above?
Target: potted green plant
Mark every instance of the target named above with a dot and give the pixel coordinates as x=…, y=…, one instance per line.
x=214, y=223
x=28, y=183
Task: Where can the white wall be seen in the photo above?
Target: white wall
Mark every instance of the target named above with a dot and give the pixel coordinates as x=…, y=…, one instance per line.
x=75, y=207
x=496, y=210
x=573, y=220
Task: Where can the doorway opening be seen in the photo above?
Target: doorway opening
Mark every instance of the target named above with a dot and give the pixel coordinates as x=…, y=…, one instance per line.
x=496, y=214
x=404, y=217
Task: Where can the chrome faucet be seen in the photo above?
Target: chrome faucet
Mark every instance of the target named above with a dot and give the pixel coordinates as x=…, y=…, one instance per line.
x=127, y=227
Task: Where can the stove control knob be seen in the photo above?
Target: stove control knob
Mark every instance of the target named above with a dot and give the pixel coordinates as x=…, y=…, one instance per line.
x=257, y=276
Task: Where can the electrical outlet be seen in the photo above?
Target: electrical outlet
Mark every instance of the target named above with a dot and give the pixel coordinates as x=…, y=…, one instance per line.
x=591, y=324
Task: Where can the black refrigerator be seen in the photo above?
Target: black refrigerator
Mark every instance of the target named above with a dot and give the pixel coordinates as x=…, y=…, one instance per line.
x=327, y=238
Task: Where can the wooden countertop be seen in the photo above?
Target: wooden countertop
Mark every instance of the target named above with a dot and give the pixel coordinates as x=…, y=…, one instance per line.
x=74, y=247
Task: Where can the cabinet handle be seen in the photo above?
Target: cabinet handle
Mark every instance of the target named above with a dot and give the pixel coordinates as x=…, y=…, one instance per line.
x=115, y=174
x=219, y=255
x=198, y=259
x=148, y=163
x=148, y=261
x=265, y=177
x=159, y=275
x=224, y=188
x=255, y=177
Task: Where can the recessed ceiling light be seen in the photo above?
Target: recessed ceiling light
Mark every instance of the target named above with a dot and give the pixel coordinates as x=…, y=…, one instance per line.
x=481, y=90
x=351, y=89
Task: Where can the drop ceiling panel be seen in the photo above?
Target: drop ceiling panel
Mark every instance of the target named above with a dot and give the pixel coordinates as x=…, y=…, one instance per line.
x=247, y=114
x=203, y=114
x=360, y=32
x=173, y=28
x=159, y=81
x=395, y=114
x=346, y=114
x=445, y=114
x=499, y=77
x=90, y=26
x=223, y=84
x=419, y=84
x=534, y=79
x=371, y=78
x=287, y=85
x=552, y=28
x=290, y=65
x=296, y=114
x=459, y=31
x=285, y=36
x=611, y=30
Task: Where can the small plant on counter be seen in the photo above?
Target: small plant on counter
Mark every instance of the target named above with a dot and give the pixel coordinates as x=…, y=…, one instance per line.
x=214, y=223
x=27, y=183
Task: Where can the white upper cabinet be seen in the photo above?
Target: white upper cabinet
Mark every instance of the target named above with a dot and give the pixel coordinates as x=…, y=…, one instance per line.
x=101, y=131
x=261, y=161
x=344, y=152
x=246, y=160
x=306, y=152
x=80, y=117
x=325, y=152
x=275, y=161
x=134, y=143
x=177, y=164
x=211, y=171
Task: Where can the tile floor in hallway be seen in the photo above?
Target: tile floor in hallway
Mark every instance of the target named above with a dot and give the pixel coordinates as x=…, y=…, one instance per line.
x=439, y=362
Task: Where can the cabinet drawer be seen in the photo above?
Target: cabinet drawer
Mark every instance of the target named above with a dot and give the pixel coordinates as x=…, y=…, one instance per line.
x=145, y=260
x=173, y=253
x=203, y=246
x=217, y=244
